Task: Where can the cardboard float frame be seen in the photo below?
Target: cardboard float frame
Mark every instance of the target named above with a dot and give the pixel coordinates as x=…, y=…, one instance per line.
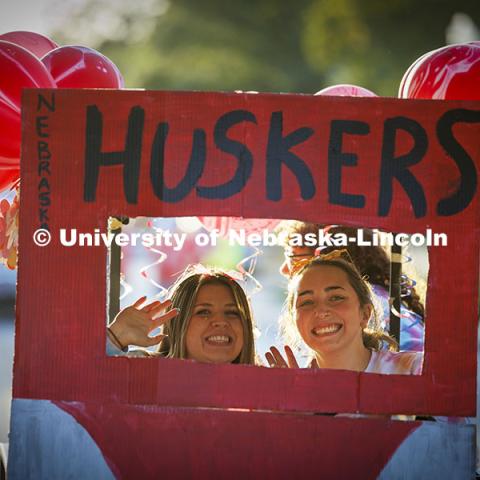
x=61, y=312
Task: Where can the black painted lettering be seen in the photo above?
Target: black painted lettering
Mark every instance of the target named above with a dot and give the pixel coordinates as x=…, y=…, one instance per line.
x=237, y=149
x=42, y=126
x=129, y=158
x=397, y=167
x=43, y=151
x=468, y=175
x=194, y=170
x=44, y=166
x=278, y=154
x=43, y=216
x=44, y=185
x=44, y=102
x=337, y=159
x=44, y=199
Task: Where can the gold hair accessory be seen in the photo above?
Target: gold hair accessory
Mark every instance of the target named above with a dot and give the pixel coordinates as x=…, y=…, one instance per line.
x=299, y=264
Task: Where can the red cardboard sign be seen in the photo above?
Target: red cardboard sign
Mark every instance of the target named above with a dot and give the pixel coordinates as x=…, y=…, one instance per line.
x=393, y=164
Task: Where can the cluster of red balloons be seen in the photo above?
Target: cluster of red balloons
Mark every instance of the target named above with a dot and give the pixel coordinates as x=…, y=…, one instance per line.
x=31, y=60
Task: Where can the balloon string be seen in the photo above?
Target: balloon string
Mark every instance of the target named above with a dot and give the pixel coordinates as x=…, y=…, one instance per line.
x=162, y=256
x=127, y=288
x=247, y=274
x=396, y=312
x=407, y=284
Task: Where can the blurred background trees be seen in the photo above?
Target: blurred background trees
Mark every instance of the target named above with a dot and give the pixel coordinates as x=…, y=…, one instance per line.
x=268, y=45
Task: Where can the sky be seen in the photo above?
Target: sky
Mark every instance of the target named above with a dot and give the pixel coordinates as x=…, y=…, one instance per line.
x=30, y=15
x=98, y=24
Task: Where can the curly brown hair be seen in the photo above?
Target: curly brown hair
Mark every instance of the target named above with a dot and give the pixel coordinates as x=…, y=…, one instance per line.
x=372, y=261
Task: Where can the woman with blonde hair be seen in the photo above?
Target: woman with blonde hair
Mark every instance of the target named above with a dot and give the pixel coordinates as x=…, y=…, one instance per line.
x=207, y=318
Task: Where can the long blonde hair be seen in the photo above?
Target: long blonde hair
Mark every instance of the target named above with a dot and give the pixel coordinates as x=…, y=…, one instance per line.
x=183, y=294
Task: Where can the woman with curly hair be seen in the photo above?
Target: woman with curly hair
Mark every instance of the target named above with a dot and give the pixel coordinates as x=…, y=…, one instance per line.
x=331, y=306
x=373, y=264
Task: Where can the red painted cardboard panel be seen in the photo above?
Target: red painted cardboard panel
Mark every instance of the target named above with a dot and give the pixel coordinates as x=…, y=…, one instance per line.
x=230, y=444
x=60, y=340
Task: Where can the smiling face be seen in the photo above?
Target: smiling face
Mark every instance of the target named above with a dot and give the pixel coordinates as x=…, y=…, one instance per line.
x=215, y=332
x=328, y=313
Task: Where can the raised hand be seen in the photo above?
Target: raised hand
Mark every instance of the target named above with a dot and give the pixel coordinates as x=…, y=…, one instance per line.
x=276, y=360
x=133, y=324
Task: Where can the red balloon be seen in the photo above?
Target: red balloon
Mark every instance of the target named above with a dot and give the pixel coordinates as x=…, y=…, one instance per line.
x=82, y=67
x=449, y=73
x=406, y=76
x=8, y=177
x=248, y=225
x=19, y=69
x=346, y=90
x=35, y=43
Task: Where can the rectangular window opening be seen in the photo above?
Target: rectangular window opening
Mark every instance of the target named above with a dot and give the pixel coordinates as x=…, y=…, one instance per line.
x=148, y=255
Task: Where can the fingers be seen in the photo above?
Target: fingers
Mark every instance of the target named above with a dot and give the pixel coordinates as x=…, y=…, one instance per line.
x=270, y=359
x=158, y=307
x=139, y=302
x=292, y=361
x=151, y=306
x=279, y=360
x=275, y=358
x=160, y=320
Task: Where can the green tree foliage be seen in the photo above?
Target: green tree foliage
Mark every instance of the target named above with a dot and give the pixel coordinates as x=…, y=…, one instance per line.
x=372, y=43
x=272, y=45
